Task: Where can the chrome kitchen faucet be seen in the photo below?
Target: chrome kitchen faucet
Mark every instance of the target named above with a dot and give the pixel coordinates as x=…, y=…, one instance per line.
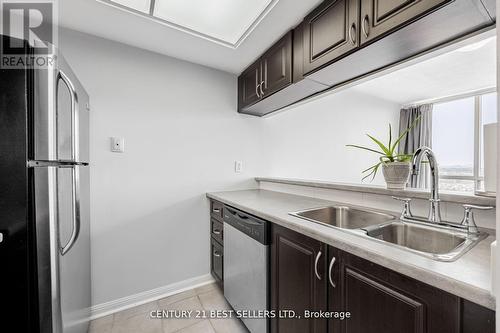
x=468, y=223
x=435, y=208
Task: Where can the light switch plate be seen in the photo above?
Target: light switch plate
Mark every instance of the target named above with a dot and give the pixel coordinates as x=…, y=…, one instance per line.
x=238, y=166
x=117, y=145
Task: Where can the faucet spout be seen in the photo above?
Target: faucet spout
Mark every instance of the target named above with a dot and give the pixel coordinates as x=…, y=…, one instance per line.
x=435, y=209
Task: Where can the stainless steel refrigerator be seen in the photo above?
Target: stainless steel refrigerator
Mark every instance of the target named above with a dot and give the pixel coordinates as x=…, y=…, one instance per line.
x=44, y=199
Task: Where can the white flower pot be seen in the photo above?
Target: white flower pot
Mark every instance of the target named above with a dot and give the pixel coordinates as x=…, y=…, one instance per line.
x=396, y=174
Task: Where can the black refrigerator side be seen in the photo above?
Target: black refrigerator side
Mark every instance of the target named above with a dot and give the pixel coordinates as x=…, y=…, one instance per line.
x=19, y=299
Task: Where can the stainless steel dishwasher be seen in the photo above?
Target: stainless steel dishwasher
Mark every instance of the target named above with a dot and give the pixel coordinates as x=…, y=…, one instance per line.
x=246, y=265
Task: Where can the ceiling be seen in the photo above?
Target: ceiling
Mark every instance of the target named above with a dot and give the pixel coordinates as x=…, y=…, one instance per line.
x=471, y=67
x=129, y=27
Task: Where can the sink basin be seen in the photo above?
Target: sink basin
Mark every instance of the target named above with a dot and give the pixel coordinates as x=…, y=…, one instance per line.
x=418, y=237
x=440, y=244
x=344, y=217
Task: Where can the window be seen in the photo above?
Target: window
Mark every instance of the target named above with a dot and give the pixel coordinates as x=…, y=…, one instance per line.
x=459, y=127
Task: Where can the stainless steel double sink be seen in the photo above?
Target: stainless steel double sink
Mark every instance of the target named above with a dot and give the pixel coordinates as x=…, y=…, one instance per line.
x=436, y=242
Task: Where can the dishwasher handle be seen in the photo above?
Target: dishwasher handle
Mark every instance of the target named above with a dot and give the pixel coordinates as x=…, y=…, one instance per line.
x=251, y=226
x=247, y=219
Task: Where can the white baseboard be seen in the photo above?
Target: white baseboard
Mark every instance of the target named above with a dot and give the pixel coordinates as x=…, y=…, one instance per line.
x=104, y=309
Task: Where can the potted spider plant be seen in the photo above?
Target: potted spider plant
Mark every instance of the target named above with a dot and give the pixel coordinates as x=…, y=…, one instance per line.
x=395, y=167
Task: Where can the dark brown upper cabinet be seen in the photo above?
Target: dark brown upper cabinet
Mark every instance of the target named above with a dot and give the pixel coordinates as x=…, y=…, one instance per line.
x=269, y=74
x=248, y=85
x=330, y=32
x=277, y=66
x=341, y=41
x=490, y=6
x=379, y=17
x=298, y=280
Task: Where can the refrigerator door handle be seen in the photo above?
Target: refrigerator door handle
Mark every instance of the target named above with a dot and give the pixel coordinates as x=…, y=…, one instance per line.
x=74, y=115
x=76, y=211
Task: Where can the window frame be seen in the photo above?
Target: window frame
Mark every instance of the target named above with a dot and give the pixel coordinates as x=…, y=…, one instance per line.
x=476, y=177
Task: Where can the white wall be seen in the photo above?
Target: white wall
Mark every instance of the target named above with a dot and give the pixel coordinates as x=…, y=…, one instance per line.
x=309, y=141
x=182, y=135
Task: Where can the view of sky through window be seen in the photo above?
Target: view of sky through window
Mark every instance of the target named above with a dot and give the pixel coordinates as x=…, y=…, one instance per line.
x=453, y=136
x=453, y=140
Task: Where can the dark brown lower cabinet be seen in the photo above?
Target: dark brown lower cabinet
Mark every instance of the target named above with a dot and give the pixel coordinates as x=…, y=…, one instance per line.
x=307, y=275
x=298, y=280
x=216, y=242
x=217, y=258
x=383, y=301
x=476, y=319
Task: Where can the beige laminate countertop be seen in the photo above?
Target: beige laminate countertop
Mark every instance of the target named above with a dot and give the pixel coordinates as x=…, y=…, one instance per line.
x=468, y=277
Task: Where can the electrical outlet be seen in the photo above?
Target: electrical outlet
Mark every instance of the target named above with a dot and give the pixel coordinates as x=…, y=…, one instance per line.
x=238, y=166
x=117, y=145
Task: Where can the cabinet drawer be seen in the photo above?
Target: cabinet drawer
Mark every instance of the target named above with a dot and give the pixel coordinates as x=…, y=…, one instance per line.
x=217, y=230
x=217, y=256
x=216, y=210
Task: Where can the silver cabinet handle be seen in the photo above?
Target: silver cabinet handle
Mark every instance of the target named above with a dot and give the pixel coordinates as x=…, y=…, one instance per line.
x=352, y=34
x=316, y=265
x=217, y=231
x=257, y=90
x=74, y=115
x=330, y=268
x=216, y=254
x=261, y=91
x=216, y=210
x=76, y=211
x=366, y=26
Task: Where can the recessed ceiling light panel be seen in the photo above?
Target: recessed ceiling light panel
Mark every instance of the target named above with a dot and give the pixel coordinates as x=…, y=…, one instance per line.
x=140, y=5
x=226, y=22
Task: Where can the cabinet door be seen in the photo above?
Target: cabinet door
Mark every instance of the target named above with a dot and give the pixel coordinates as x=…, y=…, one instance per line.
x=217, y=259
x=381, y=300
x=379, y=17
x=248, y=85
x=330, y=31
x=378, y=308
x=298, y=280
x=277, y=66
x=476, y=318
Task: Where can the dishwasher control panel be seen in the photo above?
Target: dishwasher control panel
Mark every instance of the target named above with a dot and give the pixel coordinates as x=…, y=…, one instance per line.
x=250, y=225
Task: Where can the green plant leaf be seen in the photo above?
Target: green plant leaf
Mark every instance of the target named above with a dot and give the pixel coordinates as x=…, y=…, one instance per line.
x=381, y=145
x=370, y=168
x=366, y=148
x=413, y=124
x=404, y=157
x=373, y=173
x=386, y=159
x=390, y=137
